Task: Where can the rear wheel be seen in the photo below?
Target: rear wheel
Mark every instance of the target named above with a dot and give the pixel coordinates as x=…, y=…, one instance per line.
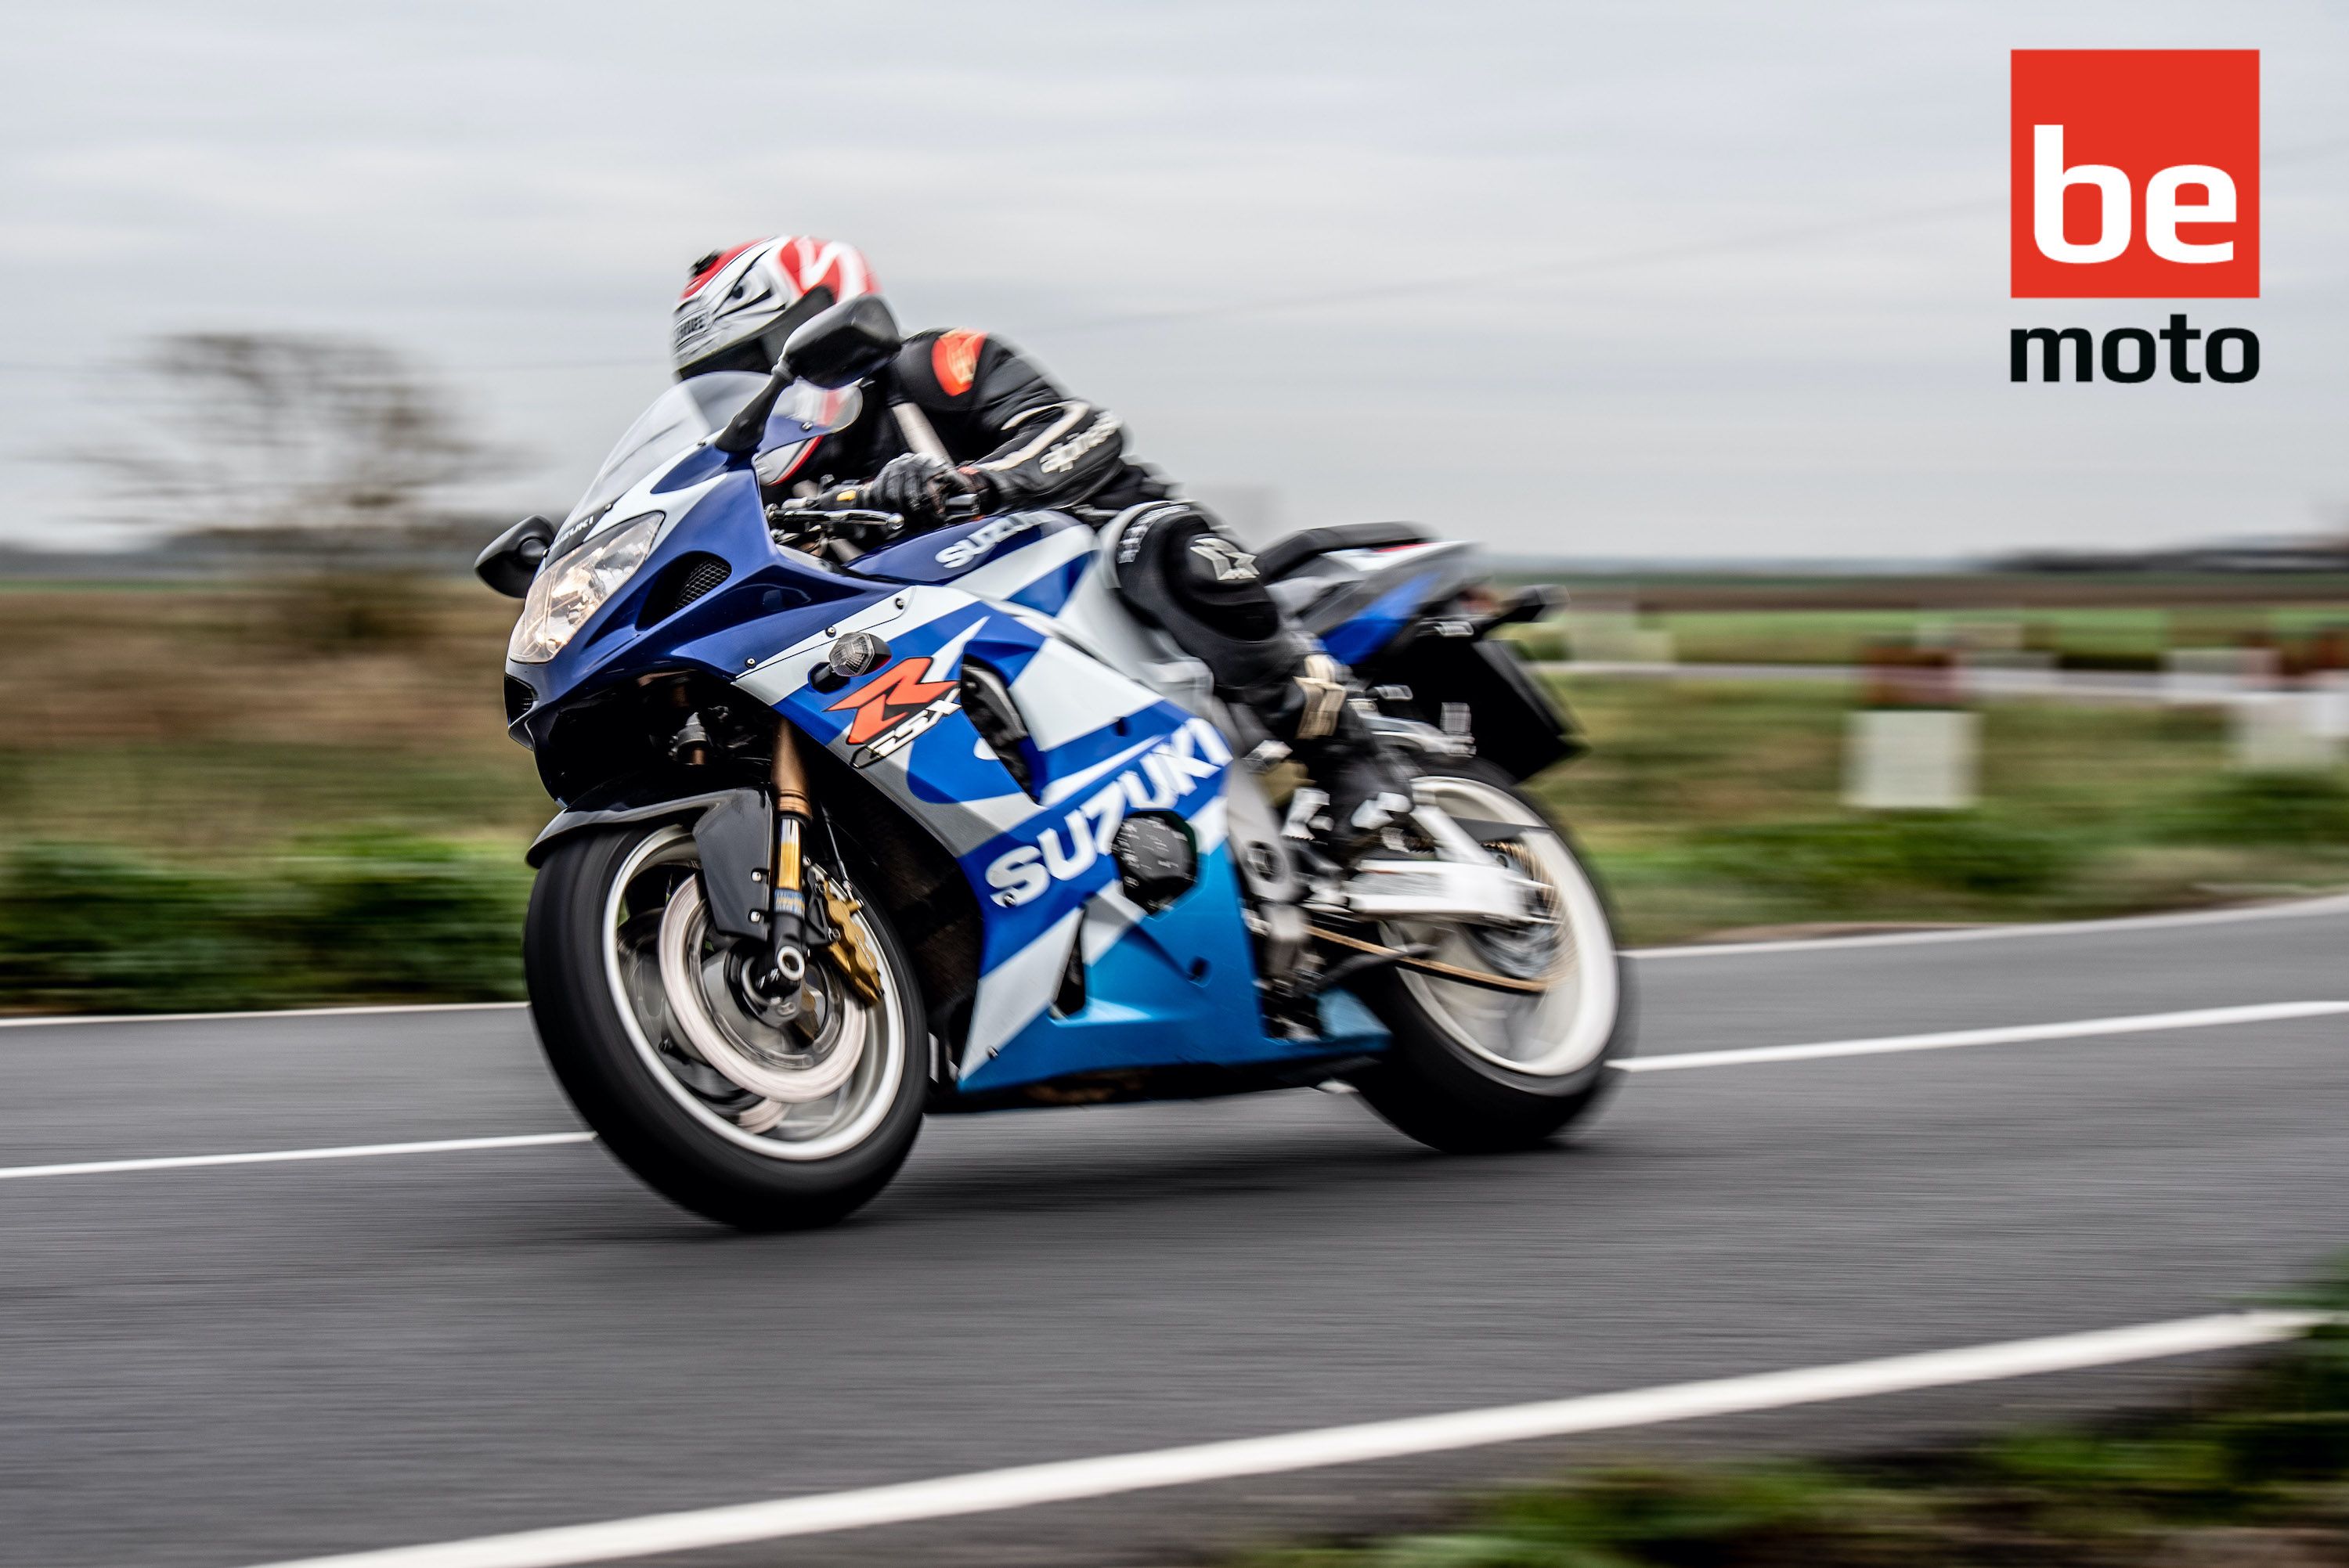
x=1475, y=1069
x=684, y=1054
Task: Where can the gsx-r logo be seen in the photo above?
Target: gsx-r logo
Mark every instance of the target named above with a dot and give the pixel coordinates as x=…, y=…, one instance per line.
x=900, y=703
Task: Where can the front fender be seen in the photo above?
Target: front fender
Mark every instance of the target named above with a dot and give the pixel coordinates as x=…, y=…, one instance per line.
x=733, y=833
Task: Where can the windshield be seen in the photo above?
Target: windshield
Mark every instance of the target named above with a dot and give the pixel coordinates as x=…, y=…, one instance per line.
x=686, y=415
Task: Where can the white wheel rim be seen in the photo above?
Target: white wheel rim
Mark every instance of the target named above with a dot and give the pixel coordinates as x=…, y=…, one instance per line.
x=686, y=976
x=830, y=1121
x=1560, y=1030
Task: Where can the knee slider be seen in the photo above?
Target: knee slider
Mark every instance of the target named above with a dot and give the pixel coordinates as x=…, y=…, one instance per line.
x=1177, y=572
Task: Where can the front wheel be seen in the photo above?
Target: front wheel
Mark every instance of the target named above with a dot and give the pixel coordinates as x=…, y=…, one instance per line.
x=1474, y=1069
x=684, y=1053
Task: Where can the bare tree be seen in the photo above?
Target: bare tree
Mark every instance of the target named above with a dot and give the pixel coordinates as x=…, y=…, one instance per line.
x=321, y=443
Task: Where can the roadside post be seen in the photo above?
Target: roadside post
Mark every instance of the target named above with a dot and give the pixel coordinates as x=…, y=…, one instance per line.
x=2328, y=683
x=2295, y=723
x=1913, y=745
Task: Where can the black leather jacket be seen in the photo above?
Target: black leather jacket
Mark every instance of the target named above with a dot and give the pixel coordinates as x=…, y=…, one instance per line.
x=998, y=414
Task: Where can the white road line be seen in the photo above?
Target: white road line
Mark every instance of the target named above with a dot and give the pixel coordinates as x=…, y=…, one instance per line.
x=64, y=1020
x=2292, y=910
x=2295, y=909
x=2083, y=1029
x=990, y=1491
x=284, y=1156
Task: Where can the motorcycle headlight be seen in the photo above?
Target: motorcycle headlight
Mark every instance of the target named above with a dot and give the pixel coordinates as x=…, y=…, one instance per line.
x=567, y=591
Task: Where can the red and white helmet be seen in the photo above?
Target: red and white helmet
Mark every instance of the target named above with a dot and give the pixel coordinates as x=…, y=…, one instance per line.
x=741, y=304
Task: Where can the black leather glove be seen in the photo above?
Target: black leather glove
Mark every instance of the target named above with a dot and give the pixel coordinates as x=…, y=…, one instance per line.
x=912, y=484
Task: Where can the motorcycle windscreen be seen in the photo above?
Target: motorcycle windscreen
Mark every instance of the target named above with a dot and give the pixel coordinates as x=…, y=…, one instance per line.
x=687, y=414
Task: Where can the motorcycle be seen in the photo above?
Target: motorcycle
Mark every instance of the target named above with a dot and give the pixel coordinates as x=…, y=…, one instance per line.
x=851, y=835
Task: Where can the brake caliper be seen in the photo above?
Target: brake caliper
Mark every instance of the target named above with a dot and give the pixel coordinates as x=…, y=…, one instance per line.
x=851, y=954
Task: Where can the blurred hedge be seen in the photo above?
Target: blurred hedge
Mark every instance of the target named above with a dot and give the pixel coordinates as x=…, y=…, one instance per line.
x=2300, y=810
x=89, y=929
x=1852, y=857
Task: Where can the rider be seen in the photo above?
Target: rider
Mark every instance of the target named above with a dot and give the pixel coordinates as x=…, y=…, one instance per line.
x=1016, y=440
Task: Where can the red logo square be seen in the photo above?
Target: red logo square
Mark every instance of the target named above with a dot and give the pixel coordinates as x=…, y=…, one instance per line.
x=2135, y=174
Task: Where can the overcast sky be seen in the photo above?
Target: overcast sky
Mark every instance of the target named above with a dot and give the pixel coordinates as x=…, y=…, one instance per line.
x=1640, y=279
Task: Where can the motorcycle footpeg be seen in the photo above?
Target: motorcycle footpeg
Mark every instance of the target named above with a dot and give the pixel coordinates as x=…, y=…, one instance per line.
x=1303, y=807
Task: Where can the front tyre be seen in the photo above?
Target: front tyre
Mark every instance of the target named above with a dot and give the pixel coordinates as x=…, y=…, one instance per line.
x=677, y=1050
x=1477, y=1070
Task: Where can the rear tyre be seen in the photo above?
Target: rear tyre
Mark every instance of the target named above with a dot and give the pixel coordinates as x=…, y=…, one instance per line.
x=677, y=1056
x=1472, y=1070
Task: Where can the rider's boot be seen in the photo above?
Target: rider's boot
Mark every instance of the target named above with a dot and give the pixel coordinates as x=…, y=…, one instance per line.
x=1366, y=782
x=1176, y=572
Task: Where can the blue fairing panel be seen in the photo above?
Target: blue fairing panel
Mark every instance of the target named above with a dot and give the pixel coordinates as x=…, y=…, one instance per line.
x=769, y=599
x=1031, y=558
x=1375, y=625
x=1178, y=987
x=1041, y=870
x=1175, y=987
x=943, y=554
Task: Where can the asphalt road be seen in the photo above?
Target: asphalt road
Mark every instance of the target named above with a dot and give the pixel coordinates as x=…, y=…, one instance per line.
x=230, y=1366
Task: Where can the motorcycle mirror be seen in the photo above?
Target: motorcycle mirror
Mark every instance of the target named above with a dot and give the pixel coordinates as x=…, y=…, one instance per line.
x=837, y=347
x=843, y=345
x=512, y=557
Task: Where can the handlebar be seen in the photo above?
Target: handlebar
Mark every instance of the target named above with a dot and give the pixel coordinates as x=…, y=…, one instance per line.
x=836, y=511
x=841, y=500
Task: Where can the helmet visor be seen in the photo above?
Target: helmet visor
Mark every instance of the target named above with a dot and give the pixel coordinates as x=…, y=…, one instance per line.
x=705, y=340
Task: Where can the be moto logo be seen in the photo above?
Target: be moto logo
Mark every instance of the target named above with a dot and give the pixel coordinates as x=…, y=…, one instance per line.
x=2135, y=175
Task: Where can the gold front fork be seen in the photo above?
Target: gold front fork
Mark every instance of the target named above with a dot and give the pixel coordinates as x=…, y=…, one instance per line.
x=792, y=812
x=854, y=955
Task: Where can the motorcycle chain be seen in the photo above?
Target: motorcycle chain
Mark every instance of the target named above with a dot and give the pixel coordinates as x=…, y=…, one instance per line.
x=1431, y=966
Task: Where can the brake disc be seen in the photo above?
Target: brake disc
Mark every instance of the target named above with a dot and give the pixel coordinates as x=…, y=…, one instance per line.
x=774, y=1063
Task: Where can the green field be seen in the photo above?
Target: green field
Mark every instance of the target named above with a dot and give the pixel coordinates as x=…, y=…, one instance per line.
x=2075, y=636
x=1714, y=807
x=227, y=797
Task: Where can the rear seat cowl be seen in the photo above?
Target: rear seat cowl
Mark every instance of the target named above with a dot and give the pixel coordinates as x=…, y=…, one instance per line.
x=1284, y=556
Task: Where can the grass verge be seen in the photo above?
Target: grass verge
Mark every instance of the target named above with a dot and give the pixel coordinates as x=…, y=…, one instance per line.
x=376, y=918
x=1717, y=806
x=259, y=795
x=2256, y=1474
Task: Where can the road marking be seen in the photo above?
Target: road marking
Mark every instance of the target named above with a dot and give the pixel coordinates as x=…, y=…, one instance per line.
x=2296, y=909
x=284, y=1156
x=1025, y=1486
x=2144, y=1023
x=2337, y=904
x=2083, y=1029
x=63, y=1020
